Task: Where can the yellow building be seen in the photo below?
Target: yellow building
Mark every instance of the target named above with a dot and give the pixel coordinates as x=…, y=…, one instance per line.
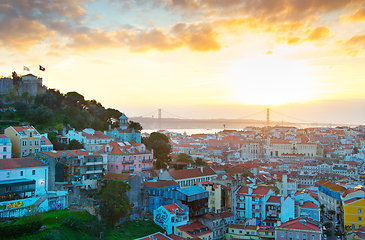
x=354, y=210
x=241, y=231
x=215, y=195
x=25, y=140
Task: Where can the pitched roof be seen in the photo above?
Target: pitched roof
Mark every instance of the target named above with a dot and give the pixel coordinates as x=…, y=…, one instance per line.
x=199, y=228
x=171, y=208
x=274, y=199
x=302, y=224
x=160, y=184
x=21, y=129
x=309, y=204
x=192, y=173
x=25, y=162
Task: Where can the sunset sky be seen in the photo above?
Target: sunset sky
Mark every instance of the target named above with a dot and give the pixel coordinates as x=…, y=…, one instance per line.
x=196, y=58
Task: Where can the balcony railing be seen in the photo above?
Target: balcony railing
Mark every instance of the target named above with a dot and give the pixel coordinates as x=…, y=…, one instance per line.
x=147, y=160
x=128, y=170
x=147, y=168
x=94, y=163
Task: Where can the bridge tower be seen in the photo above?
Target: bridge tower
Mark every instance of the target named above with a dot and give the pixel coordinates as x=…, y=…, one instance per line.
x=159, y=119
x=267, y=117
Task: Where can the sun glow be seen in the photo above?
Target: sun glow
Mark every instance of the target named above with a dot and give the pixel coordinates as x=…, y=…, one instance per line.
x=270, y=80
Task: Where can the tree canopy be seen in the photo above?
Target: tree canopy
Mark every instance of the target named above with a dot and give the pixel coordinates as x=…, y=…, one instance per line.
x=53, y=108
x=114, y=202
x=160, y=144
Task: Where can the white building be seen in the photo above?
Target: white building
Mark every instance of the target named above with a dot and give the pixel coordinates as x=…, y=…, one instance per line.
x=169, y=217
x=23, y=187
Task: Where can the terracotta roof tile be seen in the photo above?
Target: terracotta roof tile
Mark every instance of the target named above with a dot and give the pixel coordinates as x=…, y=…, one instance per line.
x=192, y=173
x=25, y=162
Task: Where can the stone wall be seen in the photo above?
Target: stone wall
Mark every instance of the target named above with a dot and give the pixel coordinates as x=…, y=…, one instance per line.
x=30, y=83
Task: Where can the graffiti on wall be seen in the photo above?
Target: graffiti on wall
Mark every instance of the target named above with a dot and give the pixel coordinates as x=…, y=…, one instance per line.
x=57, y=206
x=15, y=205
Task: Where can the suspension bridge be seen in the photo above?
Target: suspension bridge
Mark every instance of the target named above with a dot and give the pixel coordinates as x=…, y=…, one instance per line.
x=168, y=120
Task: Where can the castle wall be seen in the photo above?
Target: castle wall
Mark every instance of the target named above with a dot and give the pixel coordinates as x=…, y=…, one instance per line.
x=29, y=83
x=5, y=85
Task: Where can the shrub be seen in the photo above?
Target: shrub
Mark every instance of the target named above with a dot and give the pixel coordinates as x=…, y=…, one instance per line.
x=73, y=223
x=14, y=230
x=51, y=236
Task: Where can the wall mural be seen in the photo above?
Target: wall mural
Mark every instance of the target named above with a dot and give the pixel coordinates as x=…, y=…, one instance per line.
x=161, y=217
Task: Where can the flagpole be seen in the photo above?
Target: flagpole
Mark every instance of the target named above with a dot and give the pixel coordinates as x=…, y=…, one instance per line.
x=38, y=70
x=23, y=69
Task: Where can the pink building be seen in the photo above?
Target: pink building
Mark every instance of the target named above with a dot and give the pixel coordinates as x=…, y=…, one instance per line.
x=5, y=147
x=128, y=157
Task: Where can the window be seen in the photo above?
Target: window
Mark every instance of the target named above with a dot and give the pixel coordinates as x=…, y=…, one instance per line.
x=30, y=142
x=360, y=218
x=291, y=236
x=21, y=173
x=304, y=236
x=30, y=134
x=7, y=174
x=111, y=167
x=313, y=237
x=4, y=156
x=297, y=235
x=116, y=167
x=139, y=166
x=33, y=172
x=359, y=210
x=123, y=159
x=30, y=151
x=111, y=158
x=36, y=150
x=36, y=142
x=4, y=149
x=232, y=230
x=24, y=142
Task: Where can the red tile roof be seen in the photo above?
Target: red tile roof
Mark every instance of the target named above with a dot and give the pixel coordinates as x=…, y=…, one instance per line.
x=21, y=129
x=187, y=228
x=192, y=173
x=298, y=224
x=274, y=199
x=172, y=207
x=160, y=184
x=25, y=162
x=309, y=204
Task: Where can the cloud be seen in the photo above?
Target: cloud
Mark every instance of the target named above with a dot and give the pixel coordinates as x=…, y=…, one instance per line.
x=319, y=33
x=355, y=45
x=357, y=16
x=269, y=52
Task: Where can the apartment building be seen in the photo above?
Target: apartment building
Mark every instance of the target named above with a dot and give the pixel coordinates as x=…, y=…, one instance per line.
x=25, y=140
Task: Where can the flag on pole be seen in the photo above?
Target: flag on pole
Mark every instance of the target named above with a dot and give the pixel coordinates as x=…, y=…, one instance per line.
x=42, y=68
x=25, y=68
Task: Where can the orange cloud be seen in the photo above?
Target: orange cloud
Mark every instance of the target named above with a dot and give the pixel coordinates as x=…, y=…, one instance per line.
x=355, y=45
x=319, y=33
x=358, y=16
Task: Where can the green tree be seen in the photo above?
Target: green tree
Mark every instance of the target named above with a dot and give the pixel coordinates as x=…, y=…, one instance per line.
x=200, y=162
x=322, y=207
x=42, y=115
x=136, y=125
x=111, y=116
x=74, y=144
x=355, y=150
x=160, y=144
x=183, y=157
x=114, y=202
x=22, y=109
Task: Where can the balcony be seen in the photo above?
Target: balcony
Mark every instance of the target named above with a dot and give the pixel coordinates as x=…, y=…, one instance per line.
x=94, y=163
x=147, y=160
x=127, y=170
x=94, y=171
x=147, y=168
x=256, y=210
